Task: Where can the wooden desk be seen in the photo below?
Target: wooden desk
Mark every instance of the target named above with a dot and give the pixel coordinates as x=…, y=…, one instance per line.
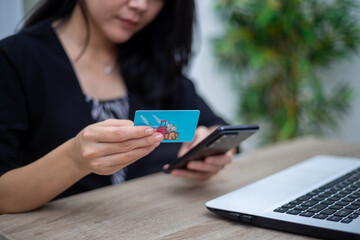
x=163, y=207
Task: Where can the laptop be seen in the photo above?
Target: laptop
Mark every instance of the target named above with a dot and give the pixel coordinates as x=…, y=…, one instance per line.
x=319, y=197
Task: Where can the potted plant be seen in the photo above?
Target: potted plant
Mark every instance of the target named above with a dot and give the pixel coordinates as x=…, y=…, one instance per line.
x=274, y=49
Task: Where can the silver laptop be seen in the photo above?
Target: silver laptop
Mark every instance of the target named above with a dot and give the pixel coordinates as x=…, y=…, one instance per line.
x=319, y=197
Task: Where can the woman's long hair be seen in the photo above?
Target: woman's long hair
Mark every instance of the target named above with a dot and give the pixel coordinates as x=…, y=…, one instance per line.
x=152, y=61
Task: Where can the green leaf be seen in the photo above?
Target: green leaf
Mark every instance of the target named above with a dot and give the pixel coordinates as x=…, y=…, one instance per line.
x=281, y=44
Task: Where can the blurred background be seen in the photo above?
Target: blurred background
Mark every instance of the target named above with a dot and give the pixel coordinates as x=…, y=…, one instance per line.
x=290, y=66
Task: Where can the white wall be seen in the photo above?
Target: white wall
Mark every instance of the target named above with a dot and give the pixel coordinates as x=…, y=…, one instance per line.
x=346, y=71
x=11, y=12
x=216, y=88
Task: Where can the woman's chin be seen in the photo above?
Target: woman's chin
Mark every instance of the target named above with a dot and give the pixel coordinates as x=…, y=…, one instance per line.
x=120, y=38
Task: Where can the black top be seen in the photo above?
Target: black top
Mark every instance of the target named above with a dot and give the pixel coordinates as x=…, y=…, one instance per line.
x=42, y=106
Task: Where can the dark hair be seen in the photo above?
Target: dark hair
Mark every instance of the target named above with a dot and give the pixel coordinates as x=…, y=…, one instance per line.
x=152, y=61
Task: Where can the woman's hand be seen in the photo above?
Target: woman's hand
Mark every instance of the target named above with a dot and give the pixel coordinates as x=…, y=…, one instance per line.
x=201, y=170
x=105, y=147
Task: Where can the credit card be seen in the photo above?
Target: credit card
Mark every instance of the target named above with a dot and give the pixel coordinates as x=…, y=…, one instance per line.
x=175, y=125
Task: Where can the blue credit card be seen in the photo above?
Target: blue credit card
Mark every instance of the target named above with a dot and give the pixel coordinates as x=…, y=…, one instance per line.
x=175, y=125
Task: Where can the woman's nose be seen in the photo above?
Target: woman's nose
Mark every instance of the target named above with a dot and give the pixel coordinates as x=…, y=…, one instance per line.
x=140, y=5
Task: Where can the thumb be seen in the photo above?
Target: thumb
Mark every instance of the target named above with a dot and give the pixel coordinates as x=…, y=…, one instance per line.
x=185, y=147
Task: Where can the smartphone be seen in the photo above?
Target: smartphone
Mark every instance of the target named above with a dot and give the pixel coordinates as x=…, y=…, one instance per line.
x=221, y=140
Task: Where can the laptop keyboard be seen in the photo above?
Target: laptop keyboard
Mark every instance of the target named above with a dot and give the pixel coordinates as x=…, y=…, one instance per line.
x=337, y=201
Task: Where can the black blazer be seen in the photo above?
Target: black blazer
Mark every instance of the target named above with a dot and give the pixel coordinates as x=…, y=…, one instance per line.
x=42, y=106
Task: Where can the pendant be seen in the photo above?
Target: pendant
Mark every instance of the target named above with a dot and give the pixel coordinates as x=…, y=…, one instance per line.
x=107, y=69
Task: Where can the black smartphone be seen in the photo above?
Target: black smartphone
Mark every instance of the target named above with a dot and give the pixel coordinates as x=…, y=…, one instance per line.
x=221, y=140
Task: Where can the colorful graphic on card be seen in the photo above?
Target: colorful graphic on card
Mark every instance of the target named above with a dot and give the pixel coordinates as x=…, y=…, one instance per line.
x=175, y=125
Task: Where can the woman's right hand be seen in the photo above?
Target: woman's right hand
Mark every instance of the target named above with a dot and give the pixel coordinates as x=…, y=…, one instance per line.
x=106, y=147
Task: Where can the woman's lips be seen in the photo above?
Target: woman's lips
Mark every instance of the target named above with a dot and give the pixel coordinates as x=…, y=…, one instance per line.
x=129, y=23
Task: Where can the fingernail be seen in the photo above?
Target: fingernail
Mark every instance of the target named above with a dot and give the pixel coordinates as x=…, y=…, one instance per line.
x=158, y=137
x=149, y=131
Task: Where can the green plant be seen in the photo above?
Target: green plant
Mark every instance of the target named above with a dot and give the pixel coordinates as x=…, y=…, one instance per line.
x=280, y=45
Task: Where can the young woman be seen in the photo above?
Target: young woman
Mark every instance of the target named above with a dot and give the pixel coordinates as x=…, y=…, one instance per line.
x=69, y=82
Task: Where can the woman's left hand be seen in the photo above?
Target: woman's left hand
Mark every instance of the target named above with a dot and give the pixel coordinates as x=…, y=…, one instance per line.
x=201, y=170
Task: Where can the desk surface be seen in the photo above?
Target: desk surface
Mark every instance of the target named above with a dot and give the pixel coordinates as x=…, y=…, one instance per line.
x=160, y=206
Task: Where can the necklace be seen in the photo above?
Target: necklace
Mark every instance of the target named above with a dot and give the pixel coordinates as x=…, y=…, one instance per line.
x=107, y=69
